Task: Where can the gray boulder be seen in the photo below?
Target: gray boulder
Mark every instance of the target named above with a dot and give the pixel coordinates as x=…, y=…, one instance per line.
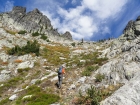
x=13, y=97
x=26, y=64
x=5, y=75
x=129, y=94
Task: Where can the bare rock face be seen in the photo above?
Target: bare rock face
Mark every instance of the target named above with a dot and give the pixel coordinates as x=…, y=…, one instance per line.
x=129, y=94
x=132, y=30
x=18, y=9
x=129, y=30
x=32, y=21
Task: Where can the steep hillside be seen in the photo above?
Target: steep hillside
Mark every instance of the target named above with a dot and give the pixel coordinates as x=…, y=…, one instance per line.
x=31, y=52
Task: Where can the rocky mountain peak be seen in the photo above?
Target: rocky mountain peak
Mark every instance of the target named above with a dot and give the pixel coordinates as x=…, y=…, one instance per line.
x=18, y=9
x=36, y=11
x=67, y=35
x=138, y=19
x=132, y=29
x=33, y=21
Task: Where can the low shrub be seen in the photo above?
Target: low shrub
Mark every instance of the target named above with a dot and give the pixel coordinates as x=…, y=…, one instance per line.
x=100, y=61
x=93, y=97
x=1, y=68
x=88, y=70
x=4, y=101
x=35, y=34
x=99, y=77
x=22, y=32
x=73, y=44
x=44, y=37
x=31, y=47
x=23, y=70
x=38, y=82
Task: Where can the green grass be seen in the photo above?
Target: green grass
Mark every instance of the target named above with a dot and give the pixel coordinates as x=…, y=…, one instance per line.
x=9, y=84
x=38, y=82
x=1, y=69
x=4, y=101
x=39, y=97
x=52, y=54
x=23, y=70
x=88, y=70
x=99, y=77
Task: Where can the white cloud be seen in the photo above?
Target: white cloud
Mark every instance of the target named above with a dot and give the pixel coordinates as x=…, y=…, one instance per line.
x=71, y=13
x=105, y=8
x=73, y=2
x=83, y=21
x=9, y=5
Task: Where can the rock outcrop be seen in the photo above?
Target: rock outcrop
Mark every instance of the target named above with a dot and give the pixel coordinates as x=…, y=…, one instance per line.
x=124, y=66
x=33, y=21
x=132, y=30
x=129, y=94
x=67, y=35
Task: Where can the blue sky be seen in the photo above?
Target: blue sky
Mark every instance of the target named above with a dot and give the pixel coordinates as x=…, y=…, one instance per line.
x=87, y=19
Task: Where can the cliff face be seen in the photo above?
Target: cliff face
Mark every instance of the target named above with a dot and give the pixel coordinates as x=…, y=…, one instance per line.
x=33, y=21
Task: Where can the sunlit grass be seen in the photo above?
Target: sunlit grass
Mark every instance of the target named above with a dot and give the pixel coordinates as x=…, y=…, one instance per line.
x=53, y=54
x=38, y=97
x=10, y=31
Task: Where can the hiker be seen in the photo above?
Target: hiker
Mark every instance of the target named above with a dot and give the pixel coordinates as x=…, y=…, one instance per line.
x=61, y=72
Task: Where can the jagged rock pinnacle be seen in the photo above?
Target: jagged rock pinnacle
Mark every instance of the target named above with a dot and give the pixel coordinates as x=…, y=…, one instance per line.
x=132, y=29
x=33, y=21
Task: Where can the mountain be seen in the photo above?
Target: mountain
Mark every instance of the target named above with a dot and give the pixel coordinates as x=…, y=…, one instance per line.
x=33, y=21
x=31, y=51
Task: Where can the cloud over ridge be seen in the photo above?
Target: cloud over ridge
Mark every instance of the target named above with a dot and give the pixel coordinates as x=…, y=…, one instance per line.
x=87, y=19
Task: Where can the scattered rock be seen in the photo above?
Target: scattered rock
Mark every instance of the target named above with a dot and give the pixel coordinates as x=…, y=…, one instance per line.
x=13, y=97
x=34, y=81
x=26, y=64
x=82, y=79
x=27, y=96
x=5, y=75
x=72, y=87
